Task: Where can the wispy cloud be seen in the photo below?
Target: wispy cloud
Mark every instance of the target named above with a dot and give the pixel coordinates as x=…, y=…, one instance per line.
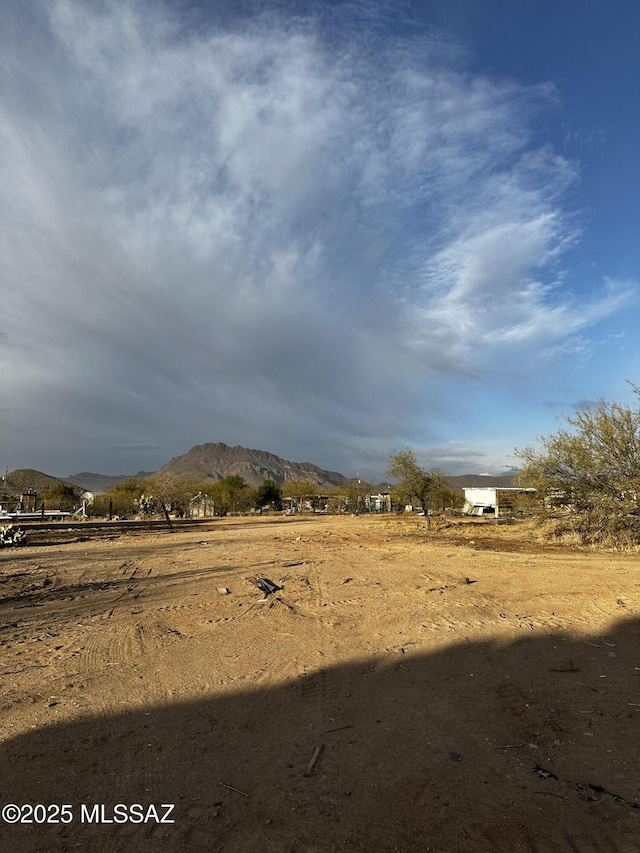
x=247, y=231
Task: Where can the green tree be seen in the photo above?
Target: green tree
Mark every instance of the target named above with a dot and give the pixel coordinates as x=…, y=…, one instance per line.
x=231, y=494
x=591, y=466
x=61, y=496
x=442, y=495
x=416, y=485
x=121, y=499
x=269, y=493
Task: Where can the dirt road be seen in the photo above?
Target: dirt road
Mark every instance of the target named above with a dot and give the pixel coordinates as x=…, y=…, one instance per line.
x=427, y=673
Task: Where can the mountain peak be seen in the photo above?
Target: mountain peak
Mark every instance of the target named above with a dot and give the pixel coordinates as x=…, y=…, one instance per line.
x=216, y=460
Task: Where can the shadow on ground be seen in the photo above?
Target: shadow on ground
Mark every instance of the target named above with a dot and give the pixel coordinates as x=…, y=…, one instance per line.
x=434, y=752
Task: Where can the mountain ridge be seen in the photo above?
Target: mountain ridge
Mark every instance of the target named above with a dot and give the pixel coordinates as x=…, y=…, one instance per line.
x=217, y=460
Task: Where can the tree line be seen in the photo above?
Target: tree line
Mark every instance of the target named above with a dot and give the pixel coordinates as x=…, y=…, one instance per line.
x=173, y=496
x=168, y=495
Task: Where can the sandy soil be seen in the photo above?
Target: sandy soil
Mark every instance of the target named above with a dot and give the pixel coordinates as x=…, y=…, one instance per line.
x=435, y=670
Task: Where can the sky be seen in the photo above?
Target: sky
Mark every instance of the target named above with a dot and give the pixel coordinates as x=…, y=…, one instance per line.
x=327, y=230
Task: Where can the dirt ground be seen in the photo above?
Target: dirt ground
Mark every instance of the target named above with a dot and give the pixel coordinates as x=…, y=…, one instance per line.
x=465, y=689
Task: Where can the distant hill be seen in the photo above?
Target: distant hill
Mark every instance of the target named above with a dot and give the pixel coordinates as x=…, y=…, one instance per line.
x=469, y=481
x=218, y=460
x=98, y=483
x=23, y=479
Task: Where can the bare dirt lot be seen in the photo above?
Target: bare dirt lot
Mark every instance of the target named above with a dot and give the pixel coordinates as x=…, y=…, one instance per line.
x=465, y=689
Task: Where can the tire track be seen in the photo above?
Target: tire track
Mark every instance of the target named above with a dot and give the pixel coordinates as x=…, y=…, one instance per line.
x=115, y=639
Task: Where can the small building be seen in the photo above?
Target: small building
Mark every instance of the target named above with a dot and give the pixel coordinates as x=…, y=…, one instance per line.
x=306, y=503
x=202, y=506
x=498, y=501
x=379, y=503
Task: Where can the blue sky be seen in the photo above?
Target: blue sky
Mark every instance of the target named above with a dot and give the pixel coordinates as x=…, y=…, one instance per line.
x=326, y=230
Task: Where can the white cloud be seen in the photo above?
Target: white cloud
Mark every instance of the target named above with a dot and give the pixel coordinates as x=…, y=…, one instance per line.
x=242, y=226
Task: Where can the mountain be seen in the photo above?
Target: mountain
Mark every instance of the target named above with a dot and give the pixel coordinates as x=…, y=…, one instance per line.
x=218, y=460
x=24, y=479
x=98, y=483
x=461, y=481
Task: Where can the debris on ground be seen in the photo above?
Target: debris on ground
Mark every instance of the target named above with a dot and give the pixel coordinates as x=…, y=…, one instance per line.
x=267, y=586
x=314, y=759
x=237, y=790
x=544, y=774
x=223, y=590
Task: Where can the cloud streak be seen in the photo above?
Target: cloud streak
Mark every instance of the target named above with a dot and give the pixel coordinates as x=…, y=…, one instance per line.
x=249, y=233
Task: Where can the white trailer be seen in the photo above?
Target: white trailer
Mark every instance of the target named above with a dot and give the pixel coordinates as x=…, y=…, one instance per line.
x=496, y=501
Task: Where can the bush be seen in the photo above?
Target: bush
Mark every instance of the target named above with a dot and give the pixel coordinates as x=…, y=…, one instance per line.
x=592, y=470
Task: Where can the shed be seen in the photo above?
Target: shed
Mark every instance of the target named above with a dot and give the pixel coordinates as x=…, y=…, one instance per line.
x=497, y=501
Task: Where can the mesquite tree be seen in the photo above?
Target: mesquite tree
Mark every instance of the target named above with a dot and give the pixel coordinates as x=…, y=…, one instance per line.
x=416, y=484
x=591, y=467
